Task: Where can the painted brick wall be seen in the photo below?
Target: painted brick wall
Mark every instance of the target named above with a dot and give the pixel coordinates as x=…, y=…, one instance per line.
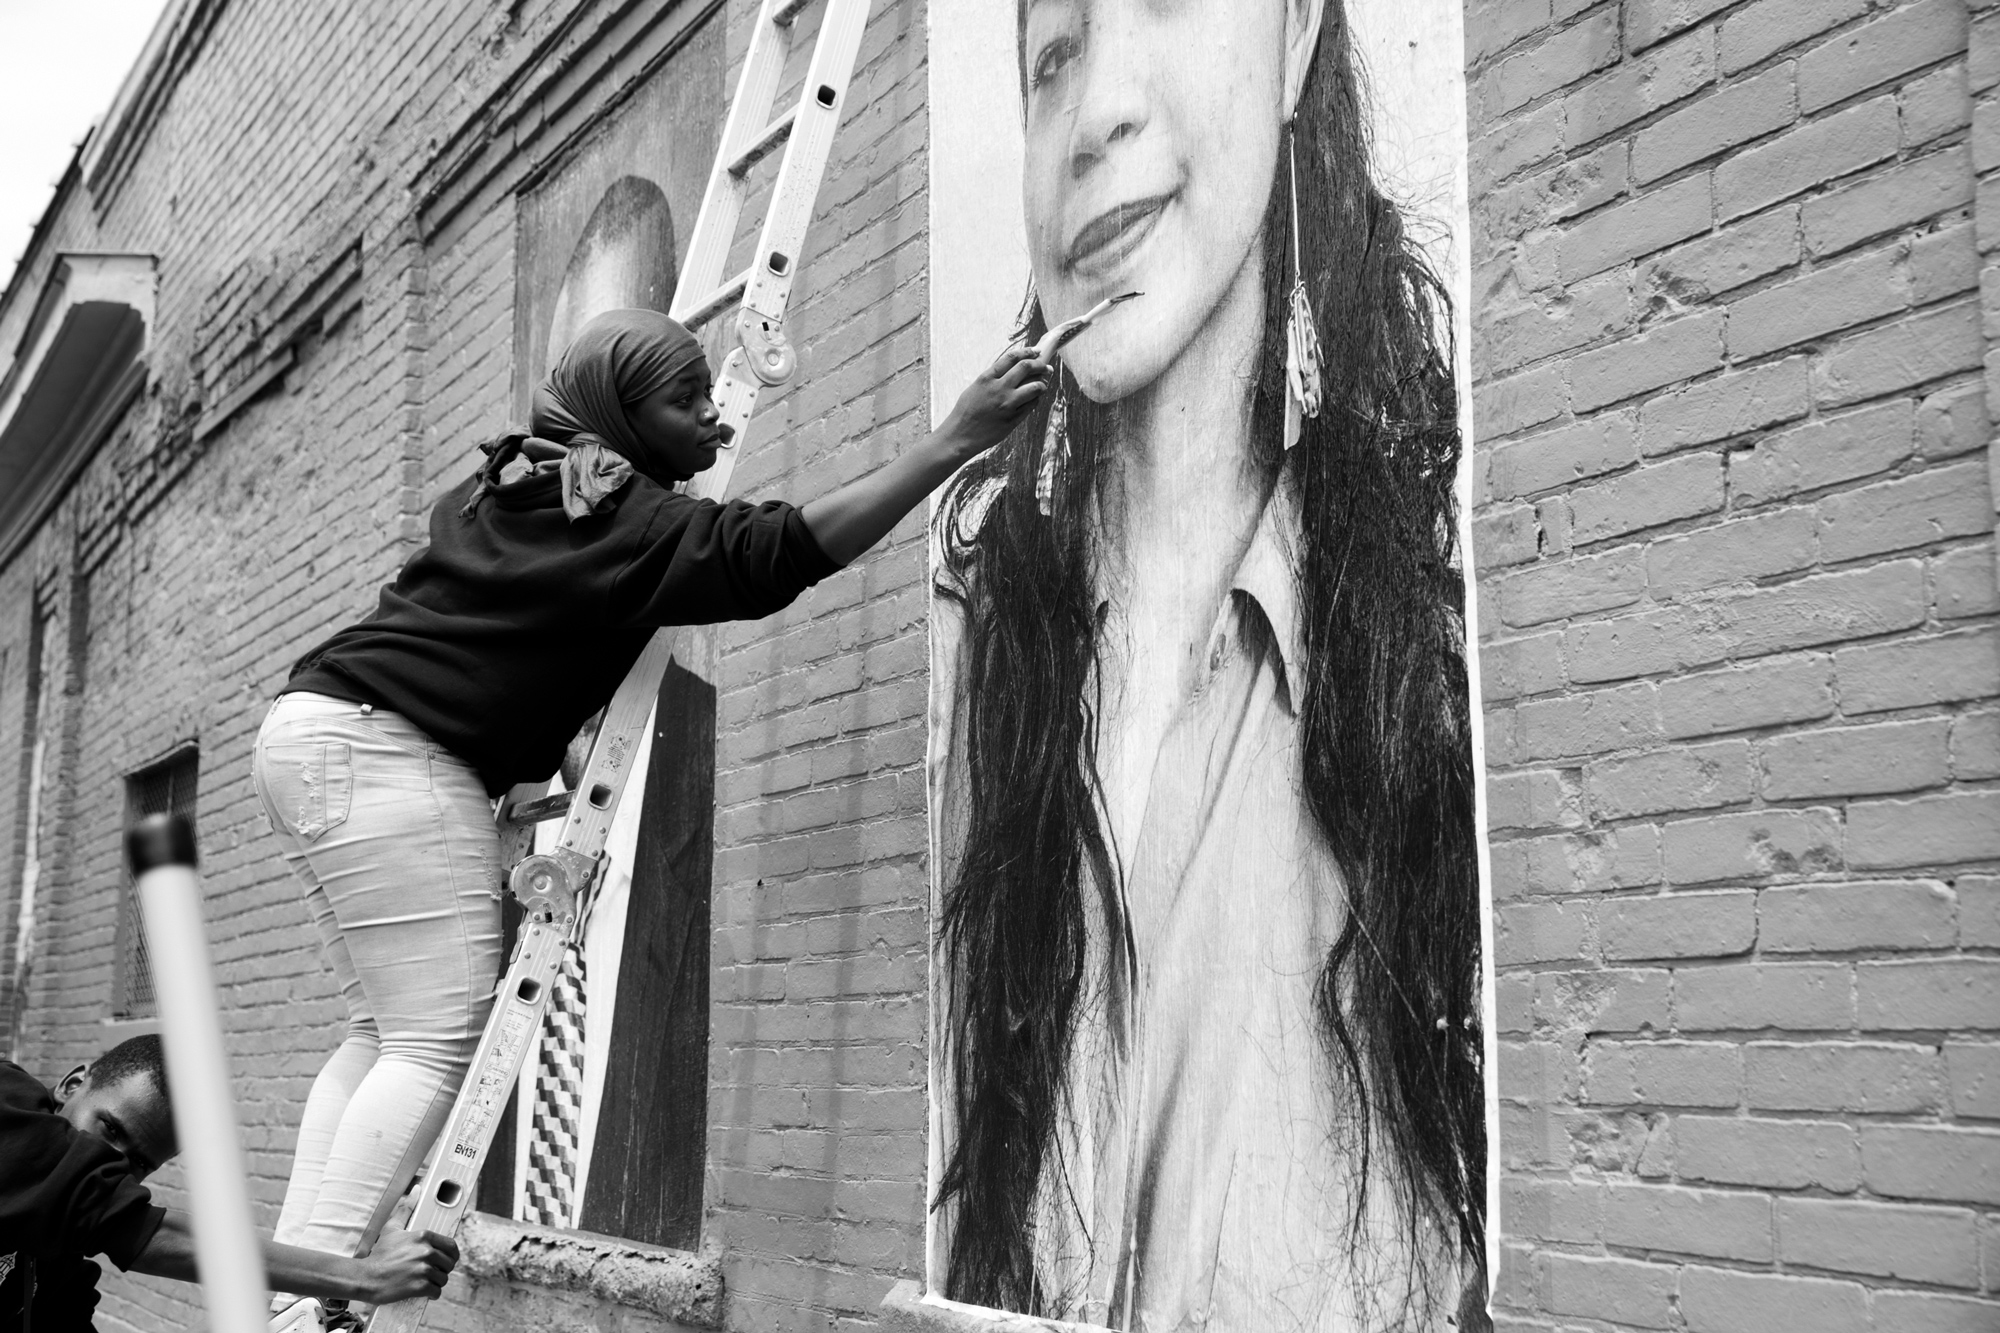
x=1734, y=531
x=211, y=564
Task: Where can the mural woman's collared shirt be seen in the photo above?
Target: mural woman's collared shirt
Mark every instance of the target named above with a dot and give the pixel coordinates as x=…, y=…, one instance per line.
x=1203, y=1160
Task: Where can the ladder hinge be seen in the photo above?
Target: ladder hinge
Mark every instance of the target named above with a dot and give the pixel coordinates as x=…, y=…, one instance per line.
x=768, y=350
x=548, y=884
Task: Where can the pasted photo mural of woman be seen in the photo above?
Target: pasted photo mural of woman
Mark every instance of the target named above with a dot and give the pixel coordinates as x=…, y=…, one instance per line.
x=1207, y=1038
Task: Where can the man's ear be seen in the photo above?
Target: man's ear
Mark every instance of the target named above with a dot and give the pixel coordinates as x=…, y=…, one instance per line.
x=1302, y=23
x=71, y=1083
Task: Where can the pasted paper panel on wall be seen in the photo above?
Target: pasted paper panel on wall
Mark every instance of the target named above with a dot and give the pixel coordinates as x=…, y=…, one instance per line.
x=1207, y=976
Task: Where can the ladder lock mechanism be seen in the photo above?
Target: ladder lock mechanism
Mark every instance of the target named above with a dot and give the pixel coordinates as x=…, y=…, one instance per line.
x=547, y=885
x=769, y=352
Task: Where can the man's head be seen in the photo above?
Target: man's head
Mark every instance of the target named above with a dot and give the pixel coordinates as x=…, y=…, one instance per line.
x=121, y=1097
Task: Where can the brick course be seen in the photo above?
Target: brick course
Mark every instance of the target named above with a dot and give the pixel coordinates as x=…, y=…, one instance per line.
x=1738, y=656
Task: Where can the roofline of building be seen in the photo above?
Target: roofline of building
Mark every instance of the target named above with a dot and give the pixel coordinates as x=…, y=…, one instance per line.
x=134, y=107
x=65, y=186
x=177, y=38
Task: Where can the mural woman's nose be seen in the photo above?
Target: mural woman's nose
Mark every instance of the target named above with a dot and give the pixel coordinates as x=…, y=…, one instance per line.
x=1111, y=99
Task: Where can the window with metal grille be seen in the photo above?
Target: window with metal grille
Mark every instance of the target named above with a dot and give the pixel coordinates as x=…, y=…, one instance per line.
x=166, y=787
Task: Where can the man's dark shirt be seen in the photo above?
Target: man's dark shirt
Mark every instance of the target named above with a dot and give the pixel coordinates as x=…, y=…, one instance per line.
x=64, y=1195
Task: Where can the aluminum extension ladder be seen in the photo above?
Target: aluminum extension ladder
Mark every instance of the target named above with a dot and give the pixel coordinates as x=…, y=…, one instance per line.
x=555, y=888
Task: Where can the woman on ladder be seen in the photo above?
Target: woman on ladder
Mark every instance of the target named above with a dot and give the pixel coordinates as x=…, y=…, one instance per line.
x=546, y=574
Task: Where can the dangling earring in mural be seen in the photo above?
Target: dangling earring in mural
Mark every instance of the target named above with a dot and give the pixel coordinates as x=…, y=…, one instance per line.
x=1302, y=354
x=1055, y=451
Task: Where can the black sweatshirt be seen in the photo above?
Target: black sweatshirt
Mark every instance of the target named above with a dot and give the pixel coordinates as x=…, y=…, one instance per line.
x=503, y=636
x=64, y=1195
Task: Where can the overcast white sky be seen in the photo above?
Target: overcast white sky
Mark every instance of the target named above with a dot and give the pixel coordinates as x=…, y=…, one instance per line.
x=61, y=62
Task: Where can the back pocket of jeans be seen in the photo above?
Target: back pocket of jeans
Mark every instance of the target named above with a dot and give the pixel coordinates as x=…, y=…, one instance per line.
x=307, y=786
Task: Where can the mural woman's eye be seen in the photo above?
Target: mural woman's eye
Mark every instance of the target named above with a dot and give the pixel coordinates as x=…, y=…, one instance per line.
x=1051, y=59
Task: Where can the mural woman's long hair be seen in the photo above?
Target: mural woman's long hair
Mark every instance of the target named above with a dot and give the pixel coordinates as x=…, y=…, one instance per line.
x=1385, y=738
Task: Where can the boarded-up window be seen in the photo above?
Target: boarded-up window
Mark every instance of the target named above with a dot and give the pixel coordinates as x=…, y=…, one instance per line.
x=166, y=787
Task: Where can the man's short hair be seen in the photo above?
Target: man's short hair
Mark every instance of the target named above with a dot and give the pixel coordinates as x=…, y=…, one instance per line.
x=135, y=1055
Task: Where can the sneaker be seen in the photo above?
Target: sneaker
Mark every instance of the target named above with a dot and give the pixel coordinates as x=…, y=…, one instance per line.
x=301, y=1316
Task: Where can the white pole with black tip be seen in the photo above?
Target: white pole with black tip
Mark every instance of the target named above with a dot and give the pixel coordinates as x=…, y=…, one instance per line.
x=161, y=848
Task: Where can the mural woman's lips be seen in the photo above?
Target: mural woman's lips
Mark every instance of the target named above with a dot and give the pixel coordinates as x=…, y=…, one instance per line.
x=1107, y=239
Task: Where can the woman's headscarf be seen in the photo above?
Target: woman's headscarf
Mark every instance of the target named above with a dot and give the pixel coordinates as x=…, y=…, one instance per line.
x=617, y=358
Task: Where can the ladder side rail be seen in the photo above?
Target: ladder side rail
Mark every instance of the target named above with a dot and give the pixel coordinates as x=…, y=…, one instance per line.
x=722, y=201
x=736, y=391
x=775, y=264
x=602, y=784
x=795, y=195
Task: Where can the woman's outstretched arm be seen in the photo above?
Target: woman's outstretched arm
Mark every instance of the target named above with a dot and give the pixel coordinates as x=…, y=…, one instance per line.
x=859, y=514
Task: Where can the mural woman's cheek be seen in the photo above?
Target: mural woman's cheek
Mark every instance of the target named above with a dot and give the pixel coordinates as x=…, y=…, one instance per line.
x=1183, y=281
x=1215, y=167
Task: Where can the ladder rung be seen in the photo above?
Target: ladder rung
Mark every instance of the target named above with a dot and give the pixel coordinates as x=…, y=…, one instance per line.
x=719, y=300
x=534, y=812
x=761, y=147
x=788, y=11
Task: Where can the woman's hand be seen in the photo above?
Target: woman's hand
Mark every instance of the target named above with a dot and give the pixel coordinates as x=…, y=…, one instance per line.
x=995, y=402
x=406, y=1265
x=853, y=518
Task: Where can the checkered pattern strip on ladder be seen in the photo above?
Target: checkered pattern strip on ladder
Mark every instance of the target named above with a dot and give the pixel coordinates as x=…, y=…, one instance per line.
x=554, y=1128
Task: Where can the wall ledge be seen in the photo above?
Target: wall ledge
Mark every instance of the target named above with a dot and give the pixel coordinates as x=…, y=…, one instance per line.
x=906, y=1307
x=675, y=1284
x=80, y=363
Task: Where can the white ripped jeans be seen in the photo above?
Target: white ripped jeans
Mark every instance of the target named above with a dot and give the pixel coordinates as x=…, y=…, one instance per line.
x=393, y=838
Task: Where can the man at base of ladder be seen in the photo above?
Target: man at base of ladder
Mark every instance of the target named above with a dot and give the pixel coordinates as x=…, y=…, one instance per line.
x=71, y=1162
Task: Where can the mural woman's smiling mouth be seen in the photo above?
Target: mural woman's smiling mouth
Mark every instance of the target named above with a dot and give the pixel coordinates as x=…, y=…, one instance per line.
x=1107, y=239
